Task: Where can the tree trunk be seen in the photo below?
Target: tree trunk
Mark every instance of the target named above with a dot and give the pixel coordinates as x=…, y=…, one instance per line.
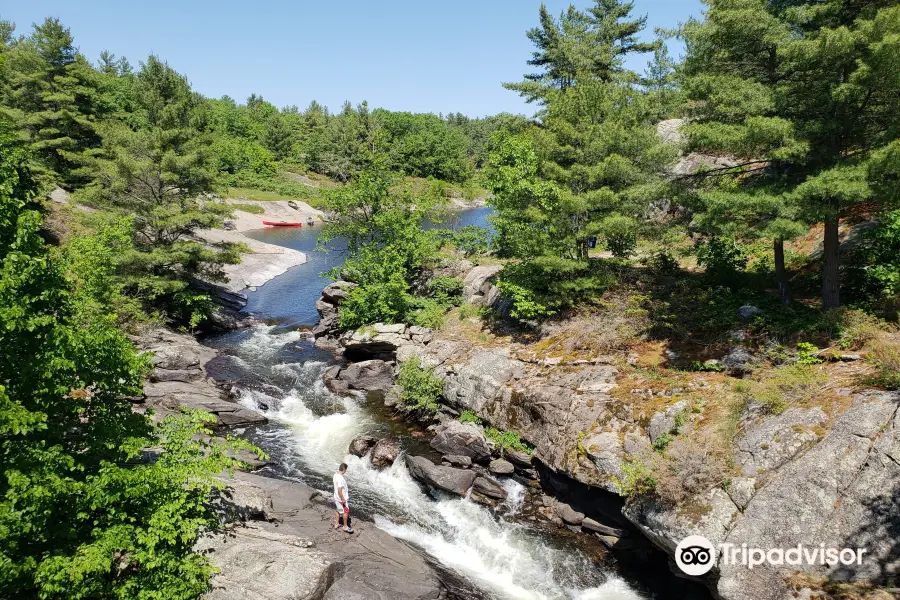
x=831, y=286
x=784, y=290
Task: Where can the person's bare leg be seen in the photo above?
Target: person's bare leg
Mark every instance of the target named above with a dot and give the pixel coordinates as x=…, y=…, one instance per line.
x=337, y=519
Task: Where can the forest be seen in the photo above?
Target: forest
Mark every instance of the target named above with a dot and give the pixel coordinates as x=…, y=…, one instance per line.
x=760, y=168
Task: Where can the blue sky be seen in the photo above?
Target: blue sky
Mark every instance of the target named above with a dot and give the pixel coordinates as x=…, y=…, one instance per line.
x=421, y=56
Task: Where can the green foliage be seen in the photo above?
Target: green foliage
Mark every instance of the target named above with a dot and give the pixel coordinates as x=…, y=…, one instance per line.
x=662, y=442
x=445, y=288
x=637, y=481
x=873, y=275
x=661, y=262
x=806, y=101
x=429, y=313
x=620, y=233
x=424, y=145
x=507, y=440
x=703, y=366
x=546, y=285
x=422, y=389
x=55, y=99
x=807, y=354
x=82, y=513
x=472, y=240
x=467, y=416
x=722, y=259
x=387, y=245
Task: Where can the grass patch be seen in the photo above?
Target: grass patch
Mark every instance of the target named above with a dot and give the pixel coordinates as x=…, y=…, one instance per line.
x=249, y=208
x=777, y=389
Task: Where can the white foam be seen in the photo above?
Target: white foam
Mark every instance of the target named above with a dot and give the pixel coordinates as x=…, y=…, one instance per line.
x=505, y=558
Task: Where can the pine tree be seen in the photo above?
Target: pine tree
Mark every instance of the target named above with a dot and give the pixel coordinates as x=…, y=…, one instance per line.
x=806, y=93
x=53, y=95
x=159, y=174
x=582, y=46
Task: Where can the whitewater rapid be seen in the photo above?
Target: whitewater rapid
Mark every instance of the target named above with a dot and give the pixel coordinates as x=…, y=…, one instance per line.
x=309, y=434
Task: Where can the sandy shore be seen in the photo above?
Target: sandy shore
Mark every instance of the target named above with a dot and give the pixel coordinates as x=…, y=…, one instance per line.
x=266, y=261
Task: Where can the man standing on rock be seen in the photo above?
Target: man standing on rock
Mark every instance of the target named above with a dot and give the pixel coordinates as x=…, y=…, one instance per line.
x=341, y=496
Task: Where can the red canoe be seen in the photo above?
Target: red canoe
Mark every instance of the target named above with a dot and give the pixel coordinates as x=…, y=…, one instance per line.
x=282, y=224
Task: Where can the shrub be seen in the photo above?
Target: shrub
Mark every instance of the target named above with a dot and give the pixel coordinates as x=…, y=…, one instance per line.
x=467, y=416
x=662, y=442
x=690, y=467
x=429, y=313
x=722, y=259
x=781, y=387
x=445, y=288
x=421, y=387
x=507, y=439
x=807, y=354
x=467, y=311
x=620, y=233
x=473, y=240
x=637, y=480
x=545, y=285
x=661, y=262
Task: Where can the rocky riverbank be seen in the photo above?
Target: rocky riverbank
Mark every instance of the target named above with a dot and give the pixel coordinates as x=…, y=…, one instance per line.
x=809, y=475
x=282, y=546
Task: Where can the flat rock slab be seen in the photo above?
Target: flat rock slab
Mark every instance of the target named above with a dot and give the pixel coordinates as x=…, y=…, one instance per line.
x=256, y=564
x=367, y=565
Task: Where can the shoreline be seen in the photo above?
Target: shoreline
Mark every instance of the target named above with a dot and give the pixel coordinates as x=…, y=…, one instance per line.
x=266, y=261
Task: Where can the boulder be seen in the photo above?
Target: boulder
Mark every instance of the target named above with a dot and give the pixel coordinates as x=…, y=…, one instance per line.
x=569, y=515
x=666, y=421
x=254, y=563
x=374, y=340
x=489, y=487
x=361, y=444
x=448, y=479
x=183, y=375
x=368, y=376
x=337, y=291
x=461, y=439
x=461, y=462
x=384, y=453
x=301, y=556
x=501, y=467
x=477, y=284
x=175, y=357
x=519, y=459
x=738, y=362
x=748, y=312
x=669, y=131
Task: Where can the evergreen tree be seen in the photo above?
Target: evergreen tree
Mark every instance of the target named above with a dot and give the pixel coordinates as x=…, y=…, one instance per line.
x=615, y=36
x=582, y=46
x=159, y=175
x=53, y=95
x=804, y=92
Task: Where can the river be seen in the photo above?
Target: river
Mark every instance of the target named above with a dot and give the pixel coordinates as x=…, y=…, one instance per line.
x=279, y=371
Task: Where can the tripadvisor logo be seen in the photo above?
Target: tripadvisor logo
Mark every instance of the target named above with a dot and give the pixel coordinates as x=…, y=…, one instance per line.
x=696, y=555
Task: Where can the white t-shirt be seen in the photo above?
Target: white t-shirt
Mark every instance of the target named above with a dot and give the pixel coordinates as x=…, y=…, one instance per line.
x=340, y=484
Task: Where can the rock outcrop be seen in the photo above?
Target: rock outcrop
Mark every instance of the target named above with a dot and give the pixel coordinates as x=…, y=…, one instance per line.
x=293, y=552
x=179, y=380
